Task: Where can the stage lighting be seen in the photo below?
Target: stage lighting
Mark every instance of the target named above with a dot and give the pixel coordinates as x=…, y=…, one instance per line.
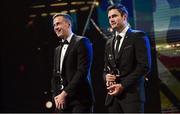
x=49, y=104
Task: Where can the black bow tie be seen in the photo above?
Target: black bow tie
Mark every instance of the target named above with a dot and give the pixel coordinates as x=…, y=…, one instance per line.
x=62, y=43
x=66, y=42
x=118, y=37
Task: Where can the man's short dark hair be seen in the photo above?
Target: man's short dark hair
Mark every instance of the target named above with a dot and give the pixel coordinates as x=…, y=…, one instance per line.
x=66, y=16
x=121, y=8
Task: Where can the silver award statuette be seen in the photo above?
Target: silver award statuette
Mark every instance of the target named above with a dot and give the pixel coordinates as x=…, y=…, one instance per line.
x=110, y=57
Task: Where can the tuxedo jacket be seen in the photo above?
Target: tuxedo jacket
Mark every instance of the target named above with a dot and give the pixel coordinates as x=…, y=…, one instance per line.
x=133, y=61
x=75, y=71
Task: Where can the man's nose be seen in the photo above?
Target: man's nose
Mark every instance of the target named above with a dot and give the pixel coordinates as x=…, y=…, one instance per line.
x=111, y=20
x=56, y=28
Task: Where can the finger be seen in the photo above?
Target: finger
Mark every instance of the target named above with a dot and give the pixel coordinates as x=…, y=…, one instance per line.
x=62, y=106
x=107, y=83
x=111, y=87
x=110, y=79
x=111, y=93
x=107, y=75
x=59, y=106
x=113, y=77
x=56, y=103
x=110, y=75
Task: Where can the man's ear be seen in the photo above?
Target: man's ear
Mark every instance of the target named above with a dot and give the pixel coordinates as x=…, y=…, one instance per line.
x=69, y=24
x=125, y=17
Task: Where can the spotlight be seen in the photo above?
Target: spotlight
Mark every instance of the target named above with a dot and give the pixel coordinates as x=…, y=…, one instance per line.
x=49, y=104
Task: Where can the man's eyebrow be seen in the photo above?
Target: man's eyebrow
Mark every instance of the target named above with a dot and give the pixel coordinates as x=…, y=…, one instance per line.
x=112, y=15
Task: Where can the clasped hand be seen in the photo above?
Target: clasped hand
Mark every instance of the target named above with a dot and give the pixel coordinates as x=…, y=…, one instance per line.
x=112, y=87
x=60, y=100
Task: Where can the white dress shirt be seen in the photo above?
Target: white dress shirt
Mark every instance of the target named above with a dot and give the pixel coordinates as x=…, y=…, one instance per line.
x=122, y=34
x=63, y=51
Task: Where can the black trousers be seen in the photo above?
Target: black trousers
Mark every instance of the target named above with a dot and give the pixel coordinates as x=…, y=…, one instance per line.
x=78, y=108
x=118, y=107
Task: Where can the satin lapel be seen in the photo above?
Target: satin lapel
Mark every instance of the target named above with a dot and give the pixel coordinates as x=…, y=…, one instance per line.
x=57, y=56
x=70, y=46
x=126, y=38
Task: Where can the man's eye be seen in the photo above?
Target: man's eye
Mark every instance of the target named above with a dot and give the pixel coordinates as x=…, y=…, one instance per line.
x=114, y=16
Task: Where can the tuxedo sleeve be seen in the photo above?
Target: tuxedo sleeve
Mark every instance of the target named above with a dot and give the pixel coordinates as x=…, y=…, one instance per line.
x=84, y=60
x=107, y=65
x=142, y=59
x=53, y=85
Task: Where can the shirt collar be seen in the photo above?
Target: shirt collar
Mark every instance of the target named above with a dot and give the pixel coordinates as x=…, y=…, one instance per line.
x=123, y=33
x=69, y=37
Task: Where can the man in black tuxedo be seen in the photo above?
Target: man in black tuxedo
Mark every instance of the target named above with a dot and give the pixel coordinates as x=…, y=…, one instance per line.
x=71, y=81
x=127, y=62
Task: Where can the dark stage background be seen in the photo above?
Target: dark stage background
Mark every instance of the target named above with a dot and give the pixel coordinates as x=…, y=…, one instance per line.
x=28, y=41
